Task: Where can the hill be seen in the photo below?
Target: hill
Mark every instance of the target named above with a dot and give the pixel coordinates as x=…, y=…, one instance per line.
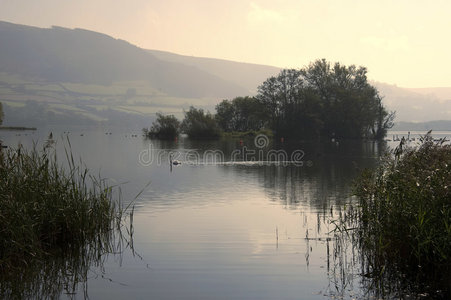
x=58, y=75
x=416, y=105
x=247, y=75
x=80, y=56
x=442, y=125
x=441, y=93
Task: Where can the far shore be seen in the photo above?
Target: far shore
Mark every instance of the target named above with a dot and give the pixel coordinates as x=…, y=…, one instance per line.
x=16, y=128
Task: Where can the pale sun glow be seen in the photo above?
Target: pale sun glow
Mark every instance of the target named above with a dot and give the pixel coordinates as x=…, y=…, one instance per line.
x=400, y=42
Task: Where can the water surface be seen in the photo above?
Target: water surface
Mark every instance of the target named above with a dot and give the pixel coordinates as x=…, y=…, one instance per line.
x=222, y=229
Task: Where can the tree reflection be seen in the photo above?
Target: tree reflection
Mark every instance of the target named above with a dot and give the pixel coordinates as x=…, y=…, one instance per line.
x=65, y=271
x=323, y=180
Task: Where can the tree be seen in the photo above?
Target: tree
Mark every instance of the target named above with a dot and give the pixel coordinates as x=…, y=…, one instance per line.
x=347, y=98
x=280, y=95
x=200, y=125
x=384, y=120
x=321, y=99
x=268, y=95
x=225, y=115
x=293, y=105
x=241, y=114
x=165, y=127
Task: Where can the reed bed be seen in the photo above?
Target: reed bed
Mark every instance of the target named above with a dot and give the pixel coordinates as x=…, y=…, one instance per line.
x=55, y=221
x=403, y=219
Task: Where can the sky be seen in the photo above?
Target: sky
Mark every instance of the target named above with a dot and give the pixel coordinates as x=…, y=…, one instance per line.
x=402, y=42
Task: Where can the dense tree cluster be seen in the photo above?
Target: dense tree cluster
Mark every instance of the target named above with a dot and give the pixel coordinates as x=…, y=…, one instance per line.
x=318, y=100
x=198, y=124
x=241, y=114
x=164, y=127
x=333, y=101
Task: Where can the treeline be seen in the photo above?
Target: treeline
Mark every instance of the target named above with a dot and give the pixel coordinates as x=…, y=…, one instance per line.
x=197, y=124
x=318, y=100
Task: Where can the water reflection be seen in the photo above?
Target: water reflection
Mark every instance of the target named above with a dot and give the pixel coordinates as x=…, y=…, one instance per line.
x=226, y=208
x=324, y=179
x=64, y=271
x=232, y=229
x=356, y=264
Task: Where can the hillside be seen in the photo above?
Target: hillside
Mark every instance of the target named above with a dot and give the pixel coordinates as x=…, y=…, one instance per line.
x=441, y=125
x=81, y=56
x=416, y=105
x=441, y=93
x=58, y=75
x=71, y=76
x=247, y=75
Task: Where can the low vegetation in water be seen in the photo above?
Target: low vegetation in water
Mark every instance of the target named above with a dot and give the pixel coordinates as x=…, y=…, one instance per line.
x=403, y=222
x=164, y=127
x=55, y=222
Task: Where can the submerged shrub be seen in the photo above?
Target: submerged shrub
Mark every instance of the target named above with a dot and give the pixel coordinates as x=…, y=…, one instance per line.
x=404, y=219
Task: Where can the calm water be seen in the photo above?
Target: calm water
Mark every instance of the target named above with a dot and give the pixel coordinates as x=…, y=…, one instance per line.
x=215, y=229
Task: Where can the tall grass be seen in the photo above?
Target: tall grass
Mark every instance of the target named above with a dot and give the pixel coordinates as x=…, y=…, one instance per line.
x=54, y=220
x=404, y=216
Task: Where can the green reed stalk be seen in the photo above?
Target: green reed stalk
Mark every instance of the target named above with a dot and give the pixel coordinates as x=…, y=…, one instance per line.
x=50, y=214
x=404, y=216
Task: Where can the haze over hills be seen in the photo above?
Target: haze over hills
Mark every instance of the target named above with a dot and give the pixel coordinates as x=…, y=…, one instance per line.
x=80, y=74
x=441, y=93
x=247, y=75
x=416, y=105
x=59, y=76
x=82, y=56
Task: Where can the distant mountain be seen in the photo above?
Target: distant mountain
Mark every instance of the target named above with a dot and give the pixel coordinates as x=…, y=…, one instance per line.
x=81, y=56
x=441, y=93
x=247, y=75
x=68, y=76
x=443, y=125
x=76, y=74
x=416, y=105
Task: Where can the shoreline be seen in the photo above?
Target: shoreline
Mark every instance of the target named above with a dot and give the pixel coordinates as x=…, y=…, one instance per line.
x=17, y=128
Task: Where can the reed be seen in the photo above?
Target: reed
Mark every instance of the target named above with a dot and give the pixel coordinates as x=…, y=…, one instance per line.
x=403, y=221
x=52, y=214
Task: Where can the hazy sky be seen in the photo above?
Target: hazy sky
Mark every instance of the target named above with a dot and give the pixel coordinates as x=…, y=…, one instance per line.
x=404, y=42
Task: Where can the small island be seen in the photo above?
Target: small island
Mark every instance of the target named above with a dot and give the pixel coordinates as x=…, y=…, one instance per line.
x=322, y=100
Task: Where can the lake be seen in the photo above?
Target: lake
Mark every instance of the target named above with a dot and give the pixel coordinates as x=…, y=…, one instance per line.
x=250, y=220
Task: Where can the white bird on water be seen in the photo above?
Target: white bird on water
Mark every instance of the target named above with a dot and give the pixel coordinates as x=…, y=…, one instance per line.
x=174, y=162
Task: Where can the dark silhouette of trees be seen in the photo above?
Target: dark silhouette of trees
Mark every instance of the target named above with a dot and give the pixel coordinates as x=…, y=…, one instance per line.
x=197, y=124
x=384, y=120
x=320, y=100
x=164, y=127
x=200, y=125
x=225, y=115
x=324, y=100
x=241, y=114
